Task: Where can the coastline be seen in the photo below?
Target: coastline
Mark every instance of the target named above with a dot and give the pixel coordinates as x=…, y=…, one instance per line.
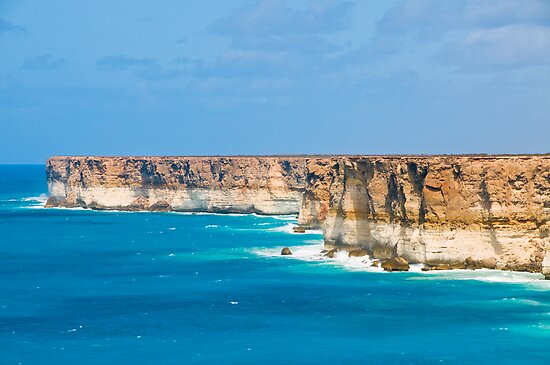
x=159, y=276
x=312, y=251
x=441, y=211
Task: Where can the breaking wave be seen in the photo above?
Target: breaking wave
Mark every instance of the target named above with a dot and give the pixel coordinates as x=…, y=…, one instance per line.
x=41, y=199
x=488, y=276
x=289, y=228
x=312, y=252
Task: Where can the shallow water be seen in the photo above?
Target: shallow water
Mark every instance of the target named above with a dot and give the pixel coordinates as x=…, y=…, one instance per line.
x=87, y=287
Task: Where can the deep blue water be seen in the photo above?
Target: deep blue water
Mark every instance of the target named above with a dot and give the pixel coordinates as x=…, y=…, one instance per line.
x=88, y=287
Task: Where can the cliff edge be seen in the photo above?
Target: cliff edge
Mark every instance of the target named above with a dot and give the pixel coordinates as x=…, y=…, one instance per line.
x=263, y=185
x=491, y=211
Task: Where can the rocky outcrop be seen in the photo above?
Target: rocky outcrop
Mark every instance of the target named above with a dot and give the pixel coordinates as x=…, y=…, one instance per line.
x=493, y=211
x=434, y=209
x=286, y=251
x=264, y=185
x=396, y=264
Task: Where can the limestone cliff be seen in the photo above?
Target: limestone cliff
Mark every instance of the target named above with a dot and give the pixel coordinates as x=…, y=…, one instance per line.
x=492, y=210
x=265, y=185
x=434, y=209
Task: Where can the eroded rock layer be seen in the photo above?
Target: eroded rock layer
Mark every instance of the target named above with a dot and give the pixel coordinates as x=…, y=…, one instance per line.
x=435, y=209
x=491, y=211
x=265, y=185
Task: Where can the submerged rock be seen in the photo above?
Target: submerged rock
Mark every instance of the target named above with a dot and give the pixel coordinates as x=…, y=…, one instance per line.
x=331, y=253
x=396, y=264
x=358, y=253
x=299, y=229
x=286, y=251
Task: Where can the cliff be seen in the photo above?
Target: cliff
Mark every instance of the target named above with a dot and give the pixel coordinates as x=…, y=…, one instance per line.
x=491, y=210
x=264, y=185
x=434, y=209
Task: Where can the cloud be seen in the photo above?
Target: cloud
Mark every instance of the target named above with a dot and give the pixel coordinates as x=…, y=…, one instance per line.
x=158, y=72
x=514, y=45
x=272, y=58
x=187, y=61
x=44, y=62
x=145, y=68
x=122, y=62
x=305, y=44
x=372, y=50
x=274, y=17
x=7, y=27
x=270, y=39
x=473, y=35
x=434, y=17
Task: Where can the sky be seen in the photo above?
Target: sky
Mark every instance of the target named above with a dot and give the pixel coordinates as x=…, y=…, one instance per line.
x=239, y=77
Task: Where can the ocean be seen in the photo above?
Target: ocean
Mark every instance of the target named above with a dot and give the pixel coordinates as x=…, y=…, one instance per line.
x=86, y=287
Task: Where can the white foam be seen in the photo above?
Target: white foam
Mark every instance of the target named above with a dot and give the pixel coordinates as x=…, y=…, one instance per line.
x=305, y=252
x=39, y=201
x=33, y=206
x=312, y=253
x=284, y=217
x=525, y=301
x=289, y=228
x=211, y=226
x=74, y=208
x=216, y=214
x=487, y=275
x=42, y=199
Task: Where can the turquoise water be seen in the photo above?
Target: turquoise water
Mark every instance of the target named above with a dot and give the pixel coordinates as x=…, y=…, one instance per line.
x=88, y=287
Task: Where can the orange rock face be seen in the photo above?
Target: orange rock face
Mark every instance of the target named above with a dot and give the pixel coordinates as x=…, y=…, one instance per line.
x=265, y=185
x=429, y=209
x=434, y=209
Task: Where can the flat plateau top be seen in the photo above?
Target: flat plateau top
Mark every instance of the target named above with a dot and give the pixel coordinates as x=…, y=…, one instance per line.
x=545, y=155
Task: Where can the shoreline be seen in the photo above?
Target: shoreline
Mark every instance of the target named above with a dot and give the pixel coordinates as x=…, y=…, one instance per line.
x=311, y=253
x=359, y=264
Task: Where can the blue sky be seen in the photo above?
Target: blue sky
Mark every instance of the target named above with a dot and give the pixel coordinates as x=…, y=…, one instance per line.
x=273, y=77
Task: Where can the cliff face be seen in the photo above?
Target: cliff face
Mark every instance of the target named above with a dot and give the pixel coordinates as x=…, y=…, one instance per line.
x=495, y=209
x=426, y=209
x=265, y=185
